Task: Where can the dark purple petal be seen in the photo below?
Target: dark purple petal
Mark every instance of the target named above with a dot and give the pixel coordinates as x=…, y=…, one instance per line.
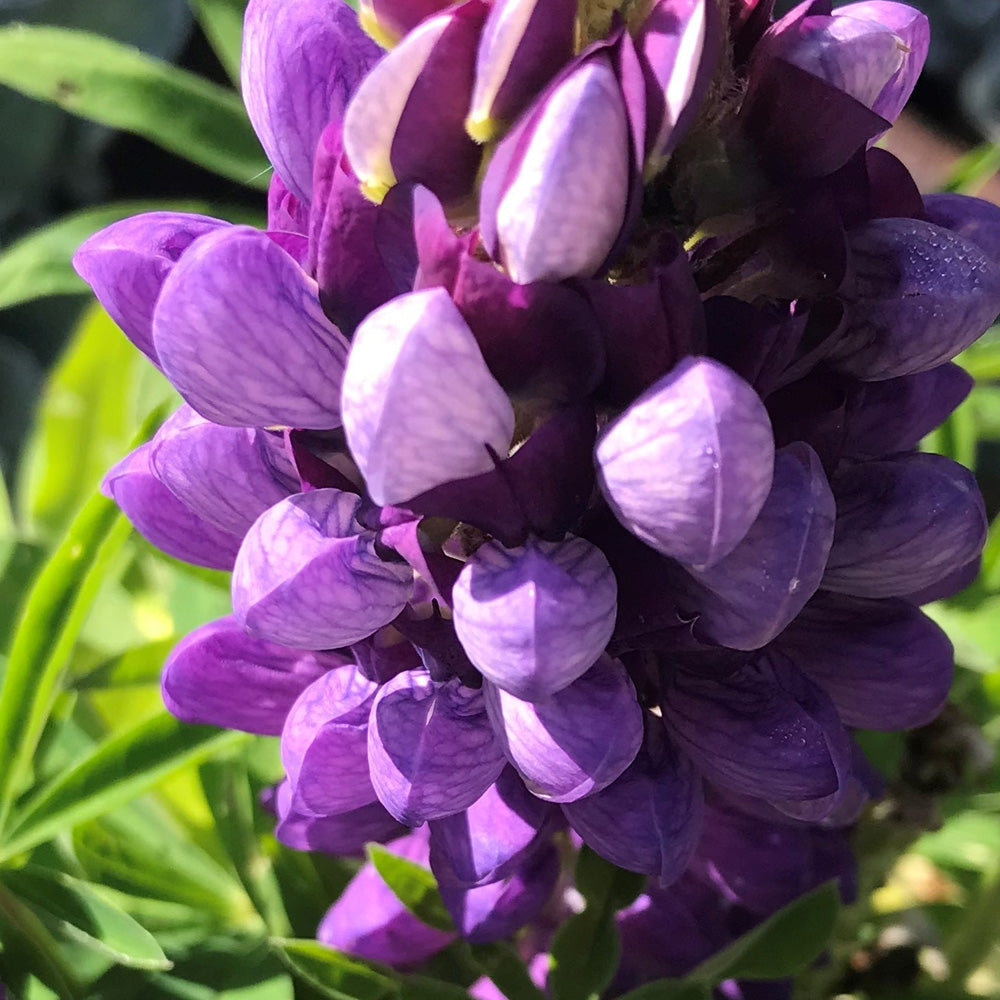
x=902, y=524
x=649, y=819
x=884, y=664
x=533, y=619
x=220, y=676
x=220, y=473
x=127, y=263
x=368, y=920
x=891, y=416
x=431, y=748
x=523, y=45
x=420, y=406
x=387, y=21
x=495, y=911
x=755, y=591
x=679, y=41
x=324, y=744
x=308, y=575
x=948, y=585
x=554, y=197
x=301, y=63
x=162, y=519
x=918, y=295
x=575, y=742
x=487, y=841
x=973, y=219
x=688, y=466
x=406, y=123
x=766, y=730
x=342, y=834
x=240, y=333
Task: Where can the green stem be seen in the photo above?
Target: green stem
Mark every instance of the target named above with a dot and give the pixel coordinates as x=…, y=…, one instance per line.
x=977, y=934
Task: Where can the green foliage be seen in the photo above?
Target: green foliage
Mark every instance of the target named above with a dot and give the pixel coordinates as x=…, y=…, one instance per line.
x=413, y=885
x=116, y=85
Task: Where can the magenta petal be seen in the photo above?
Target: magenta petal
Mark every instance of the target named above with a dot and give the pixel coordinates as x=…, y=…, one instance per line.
x=488, y=841
x=390, y=20
x=341, y=834
x=755, y=591
x=127, y=263
x=302, y=61
x=431, y=748
x=649, y=819
x=902, y=525
x=688, y=466
x=576, y=741
x=218, y=675
x=221, y=473
x=368, y=920
x=240, y=333
x=307, y=574
x=533, y=619
x=420, y=406
x=162, y=519
x=324, y=745
x=885, y=664
x=765, y=731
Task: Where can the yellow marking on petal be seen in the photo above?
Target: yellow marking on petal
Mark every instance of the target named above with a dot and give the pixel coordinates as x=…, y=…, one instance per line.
x=374, y=30
x=375, y=190
x=482, y=128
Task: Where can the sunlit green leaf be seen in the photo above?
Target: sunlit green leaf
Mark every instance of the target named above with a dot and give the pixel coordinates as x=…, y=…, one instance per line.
x=118, y=770
x=117, y=85
x=222, y=22
x=974, y=169
x=414, y=886
x=73, y=909
x=972, y=630
x=141, y=665
x=333, y=974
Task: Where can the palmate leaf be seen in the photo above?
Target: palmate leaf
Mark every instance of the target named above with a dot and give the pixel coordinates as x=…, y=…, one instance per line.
x=117, y=85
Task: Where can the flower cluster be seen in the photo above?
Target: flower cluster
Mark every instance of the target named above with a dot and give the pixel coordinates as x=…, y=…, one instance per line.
x=560, y=432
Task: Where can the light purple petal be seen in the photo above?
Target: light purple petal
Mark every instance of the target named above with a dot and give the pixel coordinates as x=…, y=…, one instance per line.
x=755, y=591
x=885, y=664
x=420, y=406
x=307, y=574
x=127, y=263
x=903, y=524
x=575, y=742
x=221, y=473
x=554, y=209
x=688, y=466
x=918, y=295
x=220, y=676
x=341, y=834
x=324, y=744
x=533, y=619
x=487, y=841
x=431, y=748
x=302, y=61
x=649, y=819
x=241, y=335
x=765, y=731
x=162, y=519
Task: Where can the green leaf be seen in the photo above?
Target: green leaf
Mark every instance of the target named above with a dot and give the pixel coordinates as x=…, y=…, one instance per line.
x=506, y=971
x=222, y=22
x=670, y=989
x=117, y=85
x=974, y=169
x=137, y=666
x=76, y=911
x=604, y=884
x=782, y=945
x=53, y=615
x=414, y=886
x=332, y=973
x=982, y=359
x=421, y=988
x=88, y=414
x=118, y=770
x=38, y=265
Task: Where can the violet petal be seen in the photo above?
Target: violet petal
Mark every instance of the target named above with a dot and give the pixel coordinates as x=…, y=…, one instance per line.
x=342, y=834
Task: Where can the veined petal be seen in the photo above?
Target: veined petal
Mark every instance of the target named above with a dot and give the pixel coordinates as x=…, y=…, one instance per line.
x=533, y=619
x=341, y=834
x=240, y=333
x=127, y=263
x=220, y=676
x=220, y=473
x=307, y=574
x=302, y=61
x=973, y=219
x=431, y=747
x=688, y=466
x=576, y=741
x=420, y=406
